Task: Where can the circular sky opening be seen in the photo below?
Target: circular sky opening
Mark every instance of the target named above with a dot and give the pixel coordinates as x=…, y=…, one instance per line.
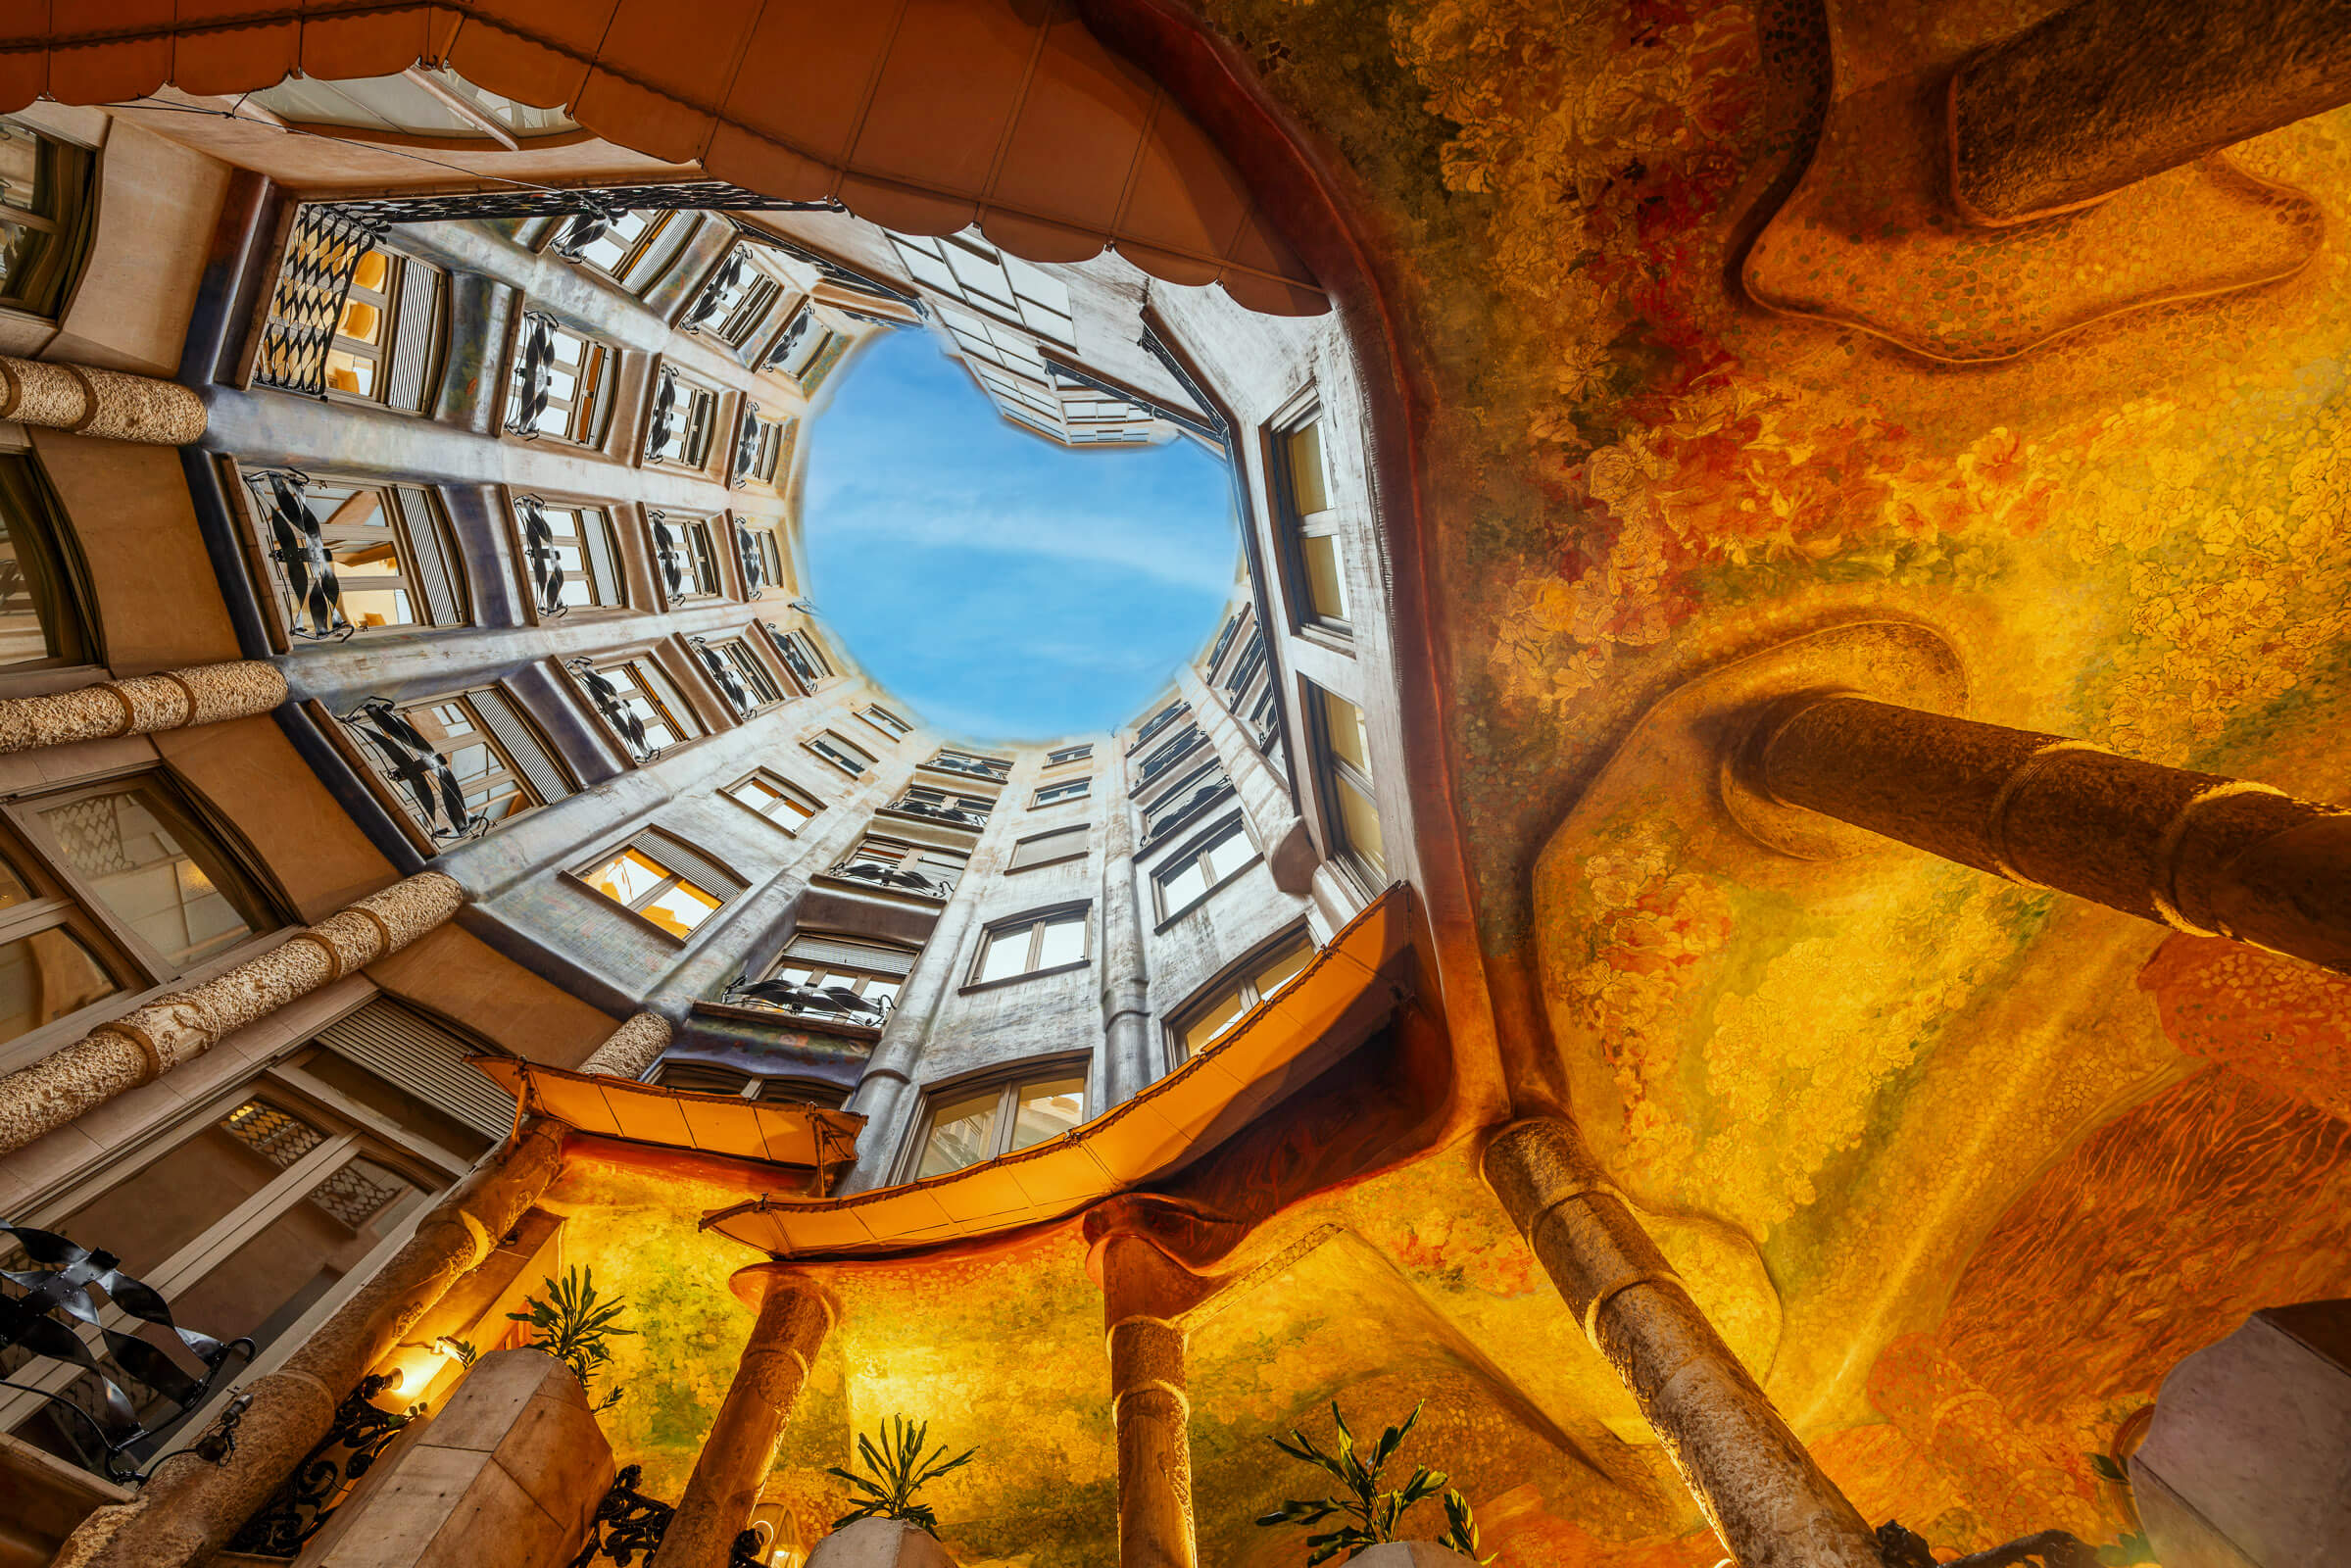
x=1004, y=587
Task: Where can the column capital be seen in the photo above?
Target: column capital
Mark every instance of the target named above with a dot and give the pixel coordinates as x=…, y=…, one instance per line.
x=758, y=1284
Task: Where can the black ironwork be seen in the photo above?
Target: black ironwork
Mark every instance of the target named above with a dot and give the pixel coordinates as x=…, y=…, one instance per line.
x=1157, y=723
x=534, y=374
x=437, y=798
x=712, y=298
x=42, y=1316
x=299, y=547
x=747, y=1550
x=606, y=202
x=833, y=272
x=322, y=256
x=2050, y=1548
x=755, y=567
x=834, y=1000
x=976, y=766
x=303, y=1504
x=1246, y=667
x=747, y=446
x=1166, y=756
x=540, y=555
x=662, y=431
x=668, y=552
x=785, y=346
x=606, y=698
x=956, y=815
x=1169, y=817
x=584, y=230
x=730, y=684
x=628, y=1524
x=796, y=658
x=892, y=877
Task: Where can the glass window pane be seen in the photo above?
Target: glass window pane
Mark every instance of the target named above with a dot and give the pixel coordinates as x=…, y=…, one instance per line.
x=1326, y=588
x=149, y=1215
x=679, y=910
x=1360, y=820
x=1178, y=889
x=1048, y=1110
x=1343, y=723
x=141, y=858
x=1283, y=967
x=963, y=1133
x=1065, y=942
x=628, y=877
x=11, y=885
x=1221, y=1015
x=1301, y=450
x=1006, y=955
x=46, y=976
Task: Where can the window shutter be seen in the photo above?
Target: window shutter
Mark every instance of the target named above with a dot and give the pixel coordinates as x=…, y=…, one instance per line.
x=692, y=865
x=507, y=727
x=415, y=336
x=411, y=1052
x=827, y=953
x=596, y=541
x=1046, y=847
x=436, y=583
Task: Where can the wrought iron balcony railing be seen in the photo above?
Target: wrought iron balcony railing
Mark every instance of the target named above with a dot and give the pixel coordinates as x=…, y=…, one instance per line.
x=747, y=452
x=606, y=696
x=886, y=874
x=729, y=682
x=664, y=431
x=755, y=570
x=837, y=1003
x=299, y=547
x=1171, y=816
x=534, y=372
x=437, y=798
x=978, y=767
x=539, y=555
x=713, y=297
x=954, y=816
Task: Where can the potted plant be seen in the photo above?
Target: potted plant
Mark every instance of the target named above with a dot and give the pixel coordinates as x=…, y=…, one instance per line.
x=1371, y=1514
x=887, y=1528
x=571, y=1324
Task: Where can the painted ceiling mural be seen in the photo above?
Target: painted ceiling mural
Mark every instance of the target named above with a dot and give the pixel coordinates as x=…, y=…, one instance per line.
x=1961, y=1168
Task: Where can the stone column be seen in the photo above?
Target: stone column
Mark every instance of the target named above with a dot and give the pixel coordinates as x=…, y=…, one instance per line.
x=795, y=1313
x=142, y=705
x=2104, y=93
x=631, y=1048
x=1273, y=819
x=1142, y=1302
x=114, y=404
x=1130, y=1057
x=143, y=1044
x=1768, y=1501
x=2202, y=853
x=191, y=1506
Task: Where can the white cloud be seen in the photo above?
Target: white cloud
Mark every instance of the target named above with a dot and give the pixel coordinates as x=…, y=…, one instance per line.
x=903, y=516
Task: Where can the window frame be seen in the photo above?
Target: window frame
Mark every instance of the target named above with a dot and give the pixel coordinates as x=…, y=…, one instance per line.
x=1298, y=528
x=1238, y=979
x=71, y=185
x=586, y=421
x=889, y=723
x=1067, y=754
x=51, y=569
x=662, y=240
x=815, y=745
x=784, y=788
x=1223, y=831
x=819, y=972
x=1035, y=921
x=1082, y=832
x=1062, y=793
x=484, y=733
x=1008, y=1080
x=1332, y=772
x=403, y=273
x=398, y=531
x=666, y=699
x=647, y=845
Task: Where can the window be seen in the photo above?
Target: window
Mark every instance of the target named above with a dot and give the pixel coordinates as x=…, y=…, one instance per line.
x=759, y=444
x=887, y=722
x=1157, y=723
x=685, y=416
x=1318, y=589
x=964, y=266
x=139, y=851
x=941, y=805
x=571, y=553
x=633, y=250
x=1032, y=945
x=1193, y=793
x=1166, y=756
x=359, y=555
x=45, y=214
x=51, y=963
x=495, y=758
x=994, y=768
x=641, y=691
x=1227, y=1002
x=388, y=338
x=1224, y=640
x=779, y=802
x=1346, y=748
x=800, y=351
x=747, y=683
x=706, y=1078
x=1077, y=789
x=1048, y=848
x=917, y=868
x=966, y=1126
x=763, y=558
x=664, y=881
x=41, y=616
x=1191, y=875
x=801, y=656
x=847, y=978
x=843, y=755
x=687, y=552
x=562, y=383
x=1069, y=754
x=736, y=300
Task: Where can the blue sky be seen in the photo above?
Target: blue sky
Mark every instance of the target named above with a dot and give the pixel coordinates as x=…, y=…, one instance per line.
x=1004, y=587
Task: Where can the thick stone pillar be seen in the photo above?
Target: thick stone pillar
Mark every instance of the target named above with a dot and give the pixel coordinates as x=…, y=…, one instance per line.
x=191, y=1506
x=142, y=705
x=114, y=404
x=1768, y=1501
x=1131, y=1058
x=2202, y=853
x=631, y=1048
x=143, y=1044
x=2105, y=93
x=1144, y=1294
x=1274, y=824
x=795, y=1313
